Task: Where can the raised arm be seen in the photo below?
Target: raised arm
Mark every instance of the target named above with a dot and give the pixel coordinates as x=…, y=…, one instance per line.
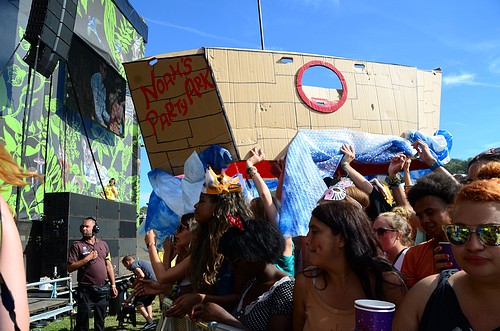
x=427, y=157
x=253, y=157
x=164, y=275
x=395, y=167
x=359, y=180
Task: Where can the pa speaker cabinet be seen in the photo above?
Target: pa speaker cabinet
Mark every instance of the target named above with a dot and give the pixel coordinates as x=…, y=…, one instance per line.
x=52, y=22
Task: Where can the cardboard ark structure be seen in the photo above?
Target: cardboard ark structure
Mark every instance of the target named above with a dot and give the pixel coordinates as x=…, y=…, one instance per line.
x=239, y=99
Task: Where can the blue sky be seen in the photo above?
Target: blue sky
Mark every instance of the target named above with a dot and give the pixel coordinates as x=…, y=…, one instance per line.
x=462, y=38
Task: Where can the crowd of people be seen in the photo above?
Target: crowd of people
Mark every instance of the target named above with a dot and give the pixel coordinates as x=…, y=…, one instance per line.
x=366, y=240
x=229, y=262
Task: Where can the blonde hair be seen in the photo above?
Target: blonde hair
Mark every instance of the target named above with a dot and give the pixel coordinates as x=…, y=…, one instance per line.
x=10, y=172
x=398, y=219
x=358, y=195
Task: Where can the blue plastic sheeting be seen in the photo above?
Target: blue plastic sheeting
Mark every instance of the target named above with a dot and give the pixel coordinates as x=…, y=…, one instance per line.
x=314, y=155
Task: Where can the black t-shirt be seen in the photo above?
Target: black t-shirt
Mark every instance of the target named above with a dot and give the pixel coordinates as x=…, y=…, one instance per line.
x=378, y=205
x=443, y=311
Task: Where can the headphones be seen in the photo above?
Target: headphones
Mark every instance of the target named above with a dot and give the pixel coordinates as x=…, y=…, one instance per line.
x=95, y=229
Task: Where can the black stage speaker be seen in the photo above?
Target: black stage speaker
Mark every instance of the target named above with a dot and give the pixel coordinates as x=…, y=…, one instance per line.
x=64, y=213
x=50, y=24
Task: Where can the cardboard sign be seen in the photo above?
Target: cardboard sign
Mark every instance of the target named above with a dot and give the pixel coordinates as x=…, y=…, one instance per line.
x=239, y=99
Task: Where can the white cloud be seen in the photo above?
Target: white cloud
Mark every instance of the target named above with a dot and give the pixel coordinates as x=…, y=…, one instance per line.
x=202, y=33
x=464, y=79
x=461, y=79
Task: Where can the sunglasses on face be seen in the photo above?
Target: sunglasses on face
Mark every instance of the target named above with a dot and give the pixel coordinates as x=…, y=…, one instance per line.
x=488, y=234
x=381, y=231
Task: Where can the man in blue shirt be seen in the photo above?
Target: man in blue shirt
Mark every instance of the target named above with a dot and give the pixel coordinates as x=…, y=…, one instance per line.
x=142, y=270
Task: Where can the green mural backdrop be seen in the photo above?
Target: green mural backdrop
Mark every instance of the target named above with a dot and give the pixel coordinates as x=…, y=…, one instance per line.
x=75, y=154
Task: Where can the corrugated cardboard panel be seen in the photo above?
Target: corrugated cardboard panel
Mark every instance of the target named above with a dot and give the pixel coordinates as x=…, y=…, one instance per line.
x=403, y=76
x=239, y=92
x=171, y=98
x=287, y=68
x=273, y=141
x=258, y=104
x=282, y=91
x=247, y=66
x=367, y=103
x=278, y=115
x=387, y=104
x=215, y=130
x=160, y=160
x=241, y=115
x=382, y=75
x=183, y=131
x=407, y=110
x=342, y=118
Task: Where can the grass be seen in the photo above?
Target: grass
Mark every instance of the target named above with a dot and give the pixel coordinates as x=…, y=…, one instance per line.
x=111, y=323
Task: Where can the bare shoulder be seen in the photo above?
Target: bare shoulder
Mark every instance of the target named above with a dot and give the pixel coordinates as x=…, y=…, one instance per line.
x=393, y=277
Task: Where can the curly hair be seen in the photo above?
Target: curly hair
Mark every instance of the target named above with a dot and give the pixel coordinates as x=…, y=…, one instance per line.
x=398, y=219
x=10, y=172
x=485, y=190
x=205, y=239
x=489, y=170
x=434, y=184
x=260, y=241
x=362, y=249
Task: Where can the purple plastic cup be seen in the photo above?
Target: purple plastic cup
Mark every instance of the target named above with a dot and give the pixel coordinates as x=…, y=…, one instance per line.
x=374, y=315
x=446, y=249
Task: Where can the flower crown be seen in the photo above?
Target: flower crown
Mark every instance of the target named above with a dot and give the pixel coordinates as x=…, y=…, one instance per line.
x=220, y=184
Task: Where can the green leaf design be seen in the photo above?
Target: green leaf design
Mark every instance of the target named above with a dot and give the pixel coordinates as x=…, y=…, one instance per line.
x=30, y=150
x=18, y=75
x=13, y=124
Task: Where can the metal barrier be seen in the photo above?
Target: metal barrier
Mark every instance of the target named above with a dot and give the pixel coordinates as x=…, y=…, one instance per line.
x=47, y=305
x=185, y=324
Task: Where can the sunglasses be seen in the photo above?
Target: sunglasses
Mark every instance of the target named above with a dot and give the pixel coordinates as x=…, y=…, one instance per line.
x=381, y=231
x=488, y=234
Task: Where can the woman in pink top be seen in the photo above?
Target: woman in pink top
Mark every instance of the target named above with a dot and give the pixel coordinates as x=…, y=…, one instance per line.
x=347, y=265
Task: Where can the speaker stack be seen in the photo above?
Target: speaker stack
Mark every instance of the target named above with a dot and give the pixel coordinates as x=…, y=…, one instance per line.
x=65, y=212
x=50, y=26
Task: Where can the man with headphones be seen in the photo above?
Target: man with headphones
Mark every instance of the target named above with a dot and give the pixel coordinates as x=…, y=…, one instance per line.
x=90, y=256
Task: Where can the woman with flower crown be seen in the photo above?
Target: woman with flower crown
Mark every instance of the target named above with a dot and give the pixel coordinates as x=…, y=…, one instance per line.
x=221, y=199
x=347, y=264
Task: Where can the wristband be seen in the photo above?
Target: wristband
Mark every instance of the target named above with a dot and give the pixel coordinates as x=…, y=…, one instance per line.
x=149, y=244
x=176, y=290
x=436, y=165
x=252, y=171
x=113, y=286
x=393, y=181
